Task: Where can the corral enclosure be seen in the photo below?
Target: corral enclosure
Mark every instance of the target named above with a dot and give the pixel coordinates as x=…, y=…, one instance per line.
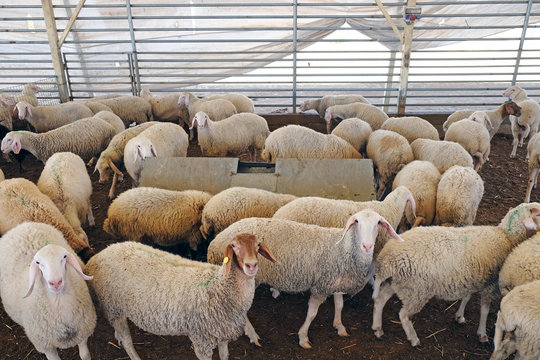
x=462, y=55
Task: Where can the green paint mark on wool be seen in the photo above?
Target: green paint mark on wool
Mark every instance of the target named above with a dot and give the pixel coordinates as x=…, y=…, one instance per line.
x=20, y=197
x=207, y=282
x=57, y=176
x=513, y=216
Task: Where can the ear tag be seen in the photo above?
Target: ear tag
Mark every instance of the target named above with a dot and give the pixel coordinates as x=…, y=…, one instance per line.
x=225, y=259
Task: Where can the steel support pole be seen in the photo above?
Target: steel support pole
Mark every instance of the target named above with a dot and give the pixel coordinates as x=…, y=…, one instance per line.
x=133, y=48
x=389, y=80
x=522, y=41
x=406, y=47
x=295, y=48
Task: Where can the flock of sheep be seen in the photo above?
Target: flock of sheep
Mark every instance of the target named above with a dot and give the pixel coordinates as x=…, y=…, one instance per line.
x=427, y=187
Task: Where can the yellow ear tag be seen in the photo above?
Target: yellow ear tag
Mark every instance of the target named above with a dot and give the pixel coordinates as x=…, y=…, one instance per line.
x=538, y=232
x=225, y=259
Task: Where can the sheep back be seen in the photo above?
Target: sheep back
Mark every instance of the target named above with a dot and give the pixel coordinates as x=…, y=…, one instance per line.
x=355, y=131
x=521, y=266
x=240, y=101
x=411, y=127
x=443, y=154
x=112, y=119
x=389, y=151
x=129, y=108
x=374, y=116
x=473, y=136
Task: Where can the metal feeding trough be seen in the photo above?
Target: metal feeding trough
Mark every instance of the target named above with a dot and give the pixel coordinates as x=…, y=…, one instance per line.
x=332, y=178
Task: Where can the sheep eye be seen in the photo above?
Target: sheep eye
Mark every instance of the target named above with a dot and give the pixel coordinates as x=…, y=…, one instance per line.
x=65, y=256
x=259, y=244
x=37, y=262
x=233, y=245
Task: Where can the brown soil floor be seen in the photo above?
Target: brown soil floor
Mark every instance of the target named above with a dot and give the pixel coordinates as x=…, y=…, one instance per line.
x=278, y=320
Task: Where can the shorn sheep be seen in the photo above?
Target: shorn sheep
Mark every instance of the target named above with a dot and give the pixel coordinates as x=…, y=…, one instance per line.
x=237, y=203
x=528, y=122
x=159, y=140
x=206, y=302
x=355, y=131
x=129, y=108
x=234, y=135
x=165, y=107
x=240, y=101
x=22, y=201
x=390, y=152
x=533, y=155
x=50, y=300
x=518, y=316
x=521, y=266
x=459, y=193
x=473, y=136
x=443, y=154
x=320, y=105
x=448, y=263
x=411, y=127
x=45, y=118
x=422, y=179
x=324, y=261
x=85, y=137
x=168, y=217
x=295, y=141
x=65, y=181
x=369, y=113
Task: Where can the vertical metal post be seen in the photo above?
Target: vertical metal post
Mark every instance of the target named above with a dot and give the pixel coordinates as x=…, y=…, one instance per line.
x=52, y=35
x=405, y=63
x=295, y=38
x=389, y=78
x=133, y=48
x=68, y=82
x=131, y=77
x=522, y=41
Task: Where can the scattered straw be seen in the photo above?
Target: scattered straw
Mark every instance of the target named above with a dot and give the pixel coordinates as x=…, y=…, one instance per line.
x=348, y=346
x=454, y=303
x=435, y=333
x=113, y=344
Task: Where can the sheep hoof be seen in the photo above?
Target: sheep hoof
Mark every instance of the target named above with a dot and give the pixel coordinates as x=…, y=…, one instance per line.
x=257, y=343
x=415, y=342
x=379, y=334
x=460, y=319
x=484, y=339
x=275, y=293
x=512, y=156
x=306, y=345
x=343, y=332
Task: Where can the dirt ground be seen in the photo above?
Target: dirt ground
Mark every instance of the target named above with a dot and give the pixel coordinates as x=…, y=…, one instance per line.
x=278, y=320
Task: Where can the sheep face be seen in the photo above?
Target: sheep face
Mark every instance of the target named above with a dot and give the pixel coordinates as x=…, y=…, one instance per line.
x=512, y=92
x=145, y=149
x=201, y=119
x=51, y=261
x=24, y=109
x=511, y=108
x=243, y=249
x=532, y=221
x=11, y=142
x=306, y=105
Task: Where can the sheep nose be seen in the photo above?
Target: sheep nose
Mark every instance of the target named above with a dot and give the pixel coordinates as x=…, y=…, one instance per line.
x=56, y=284
x=251, y=266
x=367, y=247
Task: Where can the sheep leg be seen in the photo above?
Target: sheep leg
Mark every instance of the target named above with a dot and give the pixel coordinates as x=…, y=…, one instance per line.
x=223, y=350
x=90, y=215
x=381, y=294
x=485, y=301
x=514, y=148
x=84, y=353
x=459, y=313
x=202, y=352
x=122, y=334
x=405, y=314
x=478, y=160
x=52, y=354
x=91, y=161
x=382, y=187
x=499, y=330
x=113, y=186
x=338, y=308
x=275, y=292
x=249, y=330
x=313, y=307
x=419, y=220
x=532, y=181
x=252, y=153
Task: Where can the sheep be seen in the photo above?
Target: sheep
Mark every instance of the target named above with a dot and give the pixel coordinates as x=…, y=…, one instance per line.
x=113, y=120
x=57, y=310
x=473, y=136
x=240, y=101
x=355, y=131
x=162, y=139
x=65, y=181
x=495, y=116
x=164, y=108
x=21, y=200
x=525, y=125
x=422, y=179
x=168, y=217
x=521, y=266
x=112, y=157
x=516, y=93
x=206, y=302
x=390, y=152
x=6, y=105
x=234, y=135
x=459, y=193
x=324, y=261
x=86, y=138
x=217, y=109
x=45, y=118
x=447, y=263
x=369, y=113
x=96, y=107
x=237, y=203
x=2, y=176
x=411, y=127
x=295, y=141
x=443, y=154
x=533, y=156
x=129, y=108
x=519, y=316
x=320, y=105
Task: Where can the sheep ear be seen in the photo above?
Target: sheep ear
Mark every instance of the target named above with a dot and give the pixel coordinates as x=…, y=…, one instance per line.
x=114, y=168
x=28, y=110
x=228, y=259
x=71, y=260
x=352, y=220
x=193, y=122
x=153, y=150
x=386, y=225
x=32, y=273
x=328, y=116
x=266, y=253
x=16, y=146
x=137, y=154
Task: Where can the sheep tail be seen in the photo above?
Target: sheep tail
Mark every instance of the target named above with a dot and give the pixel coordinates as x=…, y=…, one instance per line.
x=266, y=155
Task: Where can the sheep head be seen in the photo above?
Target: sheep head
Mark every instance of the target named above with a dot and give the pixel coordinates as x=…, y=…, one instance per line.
x=24, y=109
x=512, y=92
x=201, y=119
x=243, y=250
x=11, y=142
x=510, y=108
x=481, y=117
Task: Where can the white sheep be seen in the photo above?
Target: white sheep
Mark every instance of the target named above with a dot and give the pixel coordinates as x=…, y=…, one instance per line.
x=234, y=135
x=518, y=316
x=521, y=266
x=411, y=127
x=355, y=131
x=7, y=103
x=21, y=200
x=65, y=181
x=45, y=118
x=113, y=120
x=473, y=136
x=159, y=140
x=443, y=154
x=96, y=107
x=390, y=152
x=217, y=109
x=49, y=299
x=2, y=176
x=129, y=108
x=422, y=179
x=86, y=138
x=165, y=107
x=533, y=156
x=495, y=116
x=459, y=194
x=367, y=112
x=236, y=203
x=168, y=217
x=525, y=125
x=324, y=261
x=295, y=141
x=240, y=101
x=206, y=302
x=320, y=105
x=448, y=263
x=112, y=157
x=516, y=93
